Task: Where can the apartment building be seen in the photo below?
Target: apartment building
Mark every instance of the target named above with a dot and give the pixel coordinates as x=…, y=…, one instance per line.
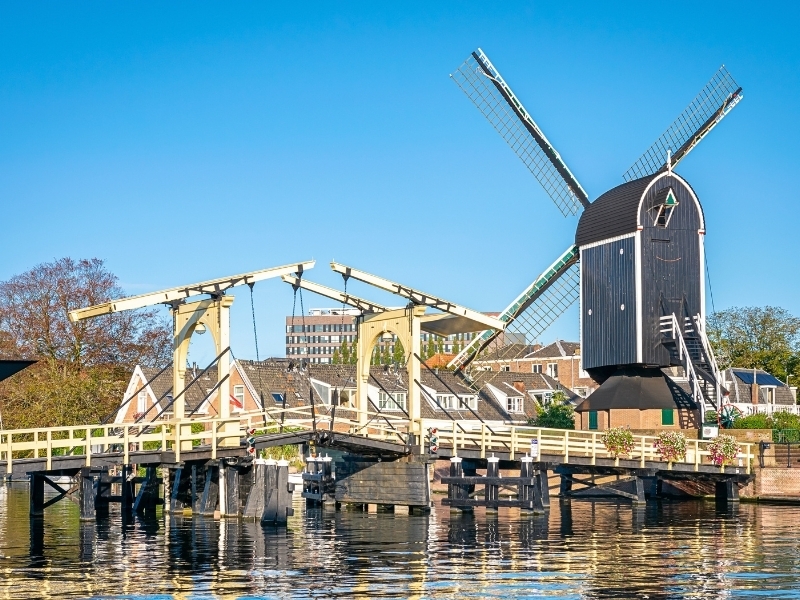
x=315, y=335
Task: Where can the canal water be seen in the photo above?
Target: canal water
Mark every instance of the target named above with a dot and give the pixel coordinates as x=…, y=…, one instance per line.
x=581, y=549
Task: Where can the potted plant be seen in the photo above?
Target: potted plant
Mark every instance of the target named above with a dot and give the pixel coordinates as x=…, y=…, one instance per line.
x=670, y=446
x=724, y=450
x=618, y=441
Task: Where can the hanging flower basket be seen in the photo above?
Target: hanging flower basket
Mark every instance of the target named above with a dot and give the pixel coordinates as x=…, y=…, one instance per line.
x=618, y=441
x=724, y=450
x=670, y=446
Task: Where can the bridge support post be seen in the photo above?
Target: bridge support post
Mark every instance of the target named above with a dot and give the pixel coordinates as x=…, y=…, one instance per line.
x=278, y=493
x=492, y=490
x=126, y=493
x=543, y=487
x=210, y=496
x=229, y=491
x=726, y=491
x=566, y=486
x=37, y=495
x=147, y=498
x=102, y=497
x=254, y=507
x=638, y=491
x=86, y=487
x=455, y=490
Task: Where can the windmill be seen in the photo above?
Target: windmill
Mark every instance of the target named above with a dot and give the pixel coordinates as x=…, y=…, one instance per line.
x=637, y=260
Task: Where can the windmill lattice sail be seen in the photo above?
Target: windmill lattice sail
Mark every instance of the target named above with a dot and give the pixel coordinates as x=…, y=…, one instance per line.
x=719, y=96
x=481, y=82
x=528, y=316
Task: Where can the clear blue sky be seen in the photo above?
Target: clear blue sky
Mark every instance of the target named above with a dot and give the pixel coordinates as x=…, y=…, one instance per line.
x=185, y=141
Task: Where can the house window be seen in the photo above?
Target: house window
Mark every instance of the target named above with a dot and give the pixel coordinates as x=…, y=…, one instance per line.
x=278, y=398
x=238, y=397
x=582, y=391
x=552, y=370
x=396, y=401
x=468, y=402
x=445, y=401
x=592, y=419
x=769, y=394
x=141, y=401
x=667, y=416
x=514, y=404
x=505, y=368
x=536, y=368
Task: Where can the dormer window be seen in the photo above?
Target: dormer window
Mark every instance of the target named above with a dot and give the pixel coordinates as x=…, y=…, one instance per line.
x=665, y=209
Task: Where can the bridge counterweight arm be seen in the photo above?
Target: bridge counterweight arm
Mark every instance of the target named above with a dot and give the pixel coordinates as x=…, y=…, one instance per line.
x=364, y=305
x=179, y=294
x=417, y=297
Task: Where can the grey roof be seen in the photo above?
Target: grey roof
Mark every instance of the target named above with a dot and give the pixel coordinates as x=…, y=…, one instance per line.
x=612, y=214
x=558, y=349
x=194, y=394
x=638, y=388
x=740, y=392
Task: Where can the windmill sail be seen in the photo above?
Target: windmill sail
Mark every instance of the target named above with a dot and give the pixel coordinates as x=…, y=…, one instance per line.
x=529, y=315
x=709, y=107
x=481, y=82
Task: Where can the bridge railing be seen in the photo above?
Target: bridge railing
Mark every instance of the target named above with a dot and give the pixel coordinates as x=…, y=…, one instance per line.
x=89, y=441
x=516, y=441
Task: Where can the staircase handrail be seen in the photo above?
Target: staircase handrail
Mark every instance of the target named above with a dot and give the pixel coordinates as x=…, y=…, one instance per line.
x=712, y=359
x=671, y=321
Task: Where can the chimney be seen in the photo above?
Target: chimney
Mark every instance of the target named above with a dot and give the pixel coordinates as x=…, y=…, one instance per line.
x=519, y=386
x=754, y=393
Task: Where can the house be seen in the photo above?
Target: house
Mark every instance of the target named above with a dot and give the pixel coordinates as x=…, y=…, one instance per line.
x=560, y=360
x=495, y=397
x=638, y=398
x=149, y=393
x=756, y=387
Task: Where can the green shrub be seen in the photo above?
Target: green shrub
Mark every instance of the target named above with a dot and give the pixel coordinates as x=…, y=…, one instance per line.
x=784, y=420
x=557, y=416
x=711, y=417
x=756, y=421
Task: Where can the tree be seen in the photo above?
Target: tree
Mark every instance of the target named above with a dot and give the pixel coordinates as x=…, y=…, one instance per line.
x=354, y=351
x=34, y=323
x=385, y=358
x=752, y=337
x=344, y=352
x=440, y=345
x=399, y=354
x=337, y=358
x=456, y=348
x=83, y=368
x=430, y=349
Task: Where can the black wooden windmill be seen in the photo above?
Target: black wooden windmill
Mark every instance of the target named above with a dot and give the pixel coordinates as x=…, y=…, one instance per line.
x=637, y=262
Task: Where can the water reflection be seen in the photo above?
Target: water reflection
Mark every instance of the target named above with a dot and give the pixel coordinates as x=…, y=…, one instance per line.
x=580, y=549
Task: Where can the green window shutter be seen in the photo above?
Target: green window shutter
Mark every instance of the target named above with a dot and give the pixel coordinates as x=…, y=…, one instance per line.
x=592, y=419
x=667, y=416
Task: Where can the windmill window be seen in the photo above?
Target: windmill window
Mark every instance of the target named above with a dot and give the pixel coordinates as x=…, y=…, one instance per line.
x=592, y=419
x=622, y=307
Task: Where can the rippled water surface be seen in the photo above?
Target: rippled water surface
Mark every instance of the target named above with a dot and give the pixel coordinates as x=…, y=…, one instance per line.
x=580, y=549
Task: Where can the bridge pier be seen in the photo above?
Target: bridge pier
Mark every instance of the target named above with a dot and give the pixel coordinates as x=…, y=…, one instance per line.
x=86, y=494
x=36, y=495
x=147, y=497
x=726, y=491
x=210, y=497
